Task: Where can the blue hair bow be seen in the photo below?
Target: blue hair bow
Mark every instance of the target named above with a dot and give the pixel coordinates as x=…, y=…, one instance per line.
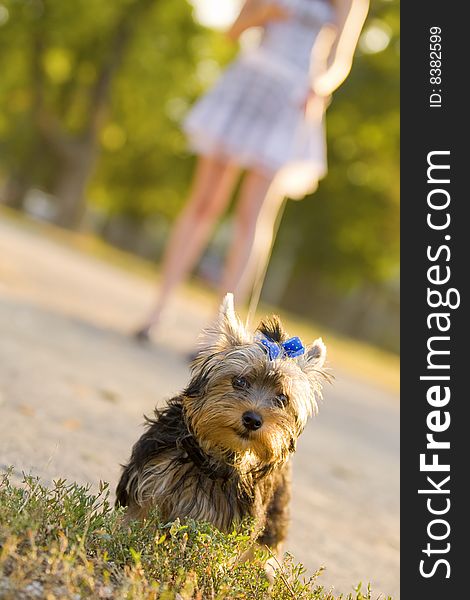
x=290, y=348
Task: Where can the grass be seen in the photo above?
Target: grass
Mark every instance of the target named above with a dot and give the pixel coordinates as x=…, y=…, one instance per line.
x=67, y=543
x=359, y=359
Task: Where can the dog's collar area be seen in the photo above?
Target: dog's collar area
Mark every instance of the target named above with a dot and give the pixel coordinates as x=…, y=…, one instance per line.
x=205, y=463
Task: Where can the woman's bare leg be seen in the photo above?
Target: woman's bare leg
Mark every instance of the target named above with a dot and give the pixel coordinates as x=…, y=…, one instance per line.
x=255, y=217
x=212, y=186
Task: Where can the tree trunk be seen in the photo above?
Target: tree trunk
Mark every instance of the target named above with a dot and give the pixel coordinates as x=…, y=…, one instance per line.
x=20, y=178
x=76, y=156
x=74, y=173
x=14, y=191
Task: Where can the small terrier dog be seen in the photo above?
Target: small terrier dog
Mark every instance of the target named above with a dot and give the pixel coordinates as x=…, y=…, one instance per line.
x=220, y=450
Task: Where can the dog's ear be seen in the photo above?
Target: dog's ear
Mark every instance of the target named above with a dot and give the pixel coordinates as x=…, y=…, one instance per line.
x=311, y=364
x=226, y=332
x=316, y=354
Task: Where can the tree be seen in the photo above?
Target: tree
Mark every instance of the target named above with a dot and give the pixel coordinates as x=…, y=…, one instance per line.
x=62, y=60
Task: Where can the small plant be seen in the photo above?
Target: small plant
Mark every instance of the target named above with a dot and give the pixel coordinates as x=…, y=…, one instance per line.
x=69, y=543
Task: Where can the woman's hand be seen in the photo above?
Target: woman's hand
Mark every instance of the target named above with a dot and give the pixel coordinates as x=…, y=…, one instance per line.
x=315, y=106
x=256, y=13
x=334, y=49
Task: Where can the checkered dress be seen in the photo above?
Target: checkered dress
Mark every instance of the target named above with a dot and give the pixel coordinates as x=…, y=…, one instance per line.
x=254, y=115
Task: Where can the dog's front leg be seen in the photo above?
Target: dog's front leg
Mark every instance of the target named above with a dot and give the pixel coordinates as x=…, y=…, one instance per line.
x=277, y=515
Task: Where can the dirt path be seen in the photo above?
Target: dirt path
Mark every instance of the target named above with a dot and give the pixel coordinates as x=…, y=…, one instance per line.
x=73, y=388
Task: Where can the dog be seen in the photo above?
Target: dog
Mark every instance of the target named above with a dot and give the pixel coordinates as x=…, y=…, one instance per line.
x=219, y=452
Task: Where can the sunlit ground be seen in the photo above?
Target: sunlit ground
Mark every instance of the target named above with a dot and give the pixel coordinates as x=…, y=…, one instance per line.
x=363, y=360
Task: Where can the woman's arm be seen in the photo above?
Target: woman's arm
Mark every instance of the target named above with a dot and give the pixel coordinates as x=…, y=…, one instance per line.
x=255, y=13
x=333, y=52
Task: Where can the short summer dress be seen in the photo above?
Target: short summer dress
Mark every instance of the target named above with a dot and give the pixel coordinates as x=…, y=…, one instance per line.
x=254, y=115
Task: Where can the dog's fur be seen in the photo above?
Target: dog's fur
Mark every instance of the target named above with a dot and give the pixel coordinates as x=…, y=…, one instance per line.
x=198, y=460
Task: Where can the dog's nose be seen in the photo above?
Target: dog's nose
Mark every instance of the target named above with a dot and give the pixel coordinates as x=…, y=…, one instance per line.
x=252, y=420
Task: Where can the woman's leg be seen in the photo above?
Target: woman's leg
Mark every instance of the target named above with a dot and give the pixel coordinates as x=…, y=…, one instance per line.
x=255, y=217
x=212, y=186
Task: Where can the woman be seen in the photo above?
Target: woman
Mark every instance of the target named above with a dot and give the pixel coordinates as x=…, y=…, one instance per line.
x=264, y=115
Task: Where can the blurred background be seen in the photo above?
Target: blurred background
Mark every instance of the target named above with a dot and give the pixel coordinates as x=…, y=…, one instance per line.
x=93, y=170
x=92, y=95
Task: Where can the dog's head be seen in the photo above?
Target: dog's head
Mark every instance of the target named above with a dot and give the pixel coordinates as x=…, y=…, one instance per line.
x=252, y=392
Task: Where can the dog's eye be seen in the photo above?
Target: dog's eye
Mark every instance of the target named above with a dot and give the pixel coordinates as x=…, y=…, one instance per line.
x=281, y=400
x=240, y=383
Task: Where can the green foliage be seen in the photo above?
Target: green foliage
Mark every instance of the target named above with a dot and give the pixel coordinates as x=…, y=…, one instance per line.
x=145, y=170
x=66, y=542
x=52, y=56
